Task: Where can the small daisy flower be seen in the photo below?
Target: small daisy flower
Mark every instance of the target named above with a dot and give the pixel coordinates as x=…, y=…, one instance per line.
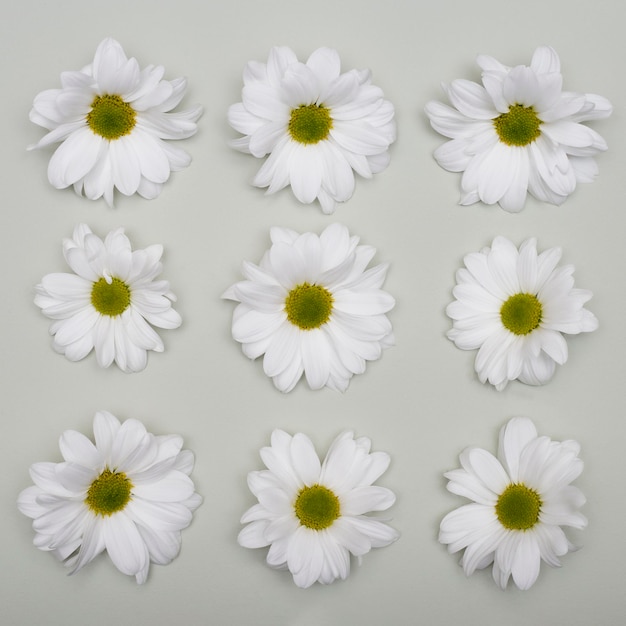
x=312, y=515
x=112, y=119
x=514, y=306
x=520, y=501
x=110, y=302
x=518, y=133
x=317, y=125
x=312, y=307
x=129, y=494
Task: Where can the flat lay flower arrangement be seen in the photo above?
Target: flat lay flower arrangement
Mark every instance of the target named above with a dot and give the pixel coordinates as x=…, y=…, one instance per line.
x=313, y=308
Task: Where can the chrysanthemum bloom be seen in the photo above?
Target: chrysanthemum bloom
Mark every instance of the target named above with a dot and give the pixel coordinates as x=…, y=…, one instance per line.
x=112, y=119
x=317, y=125
x=520, y=501
x=518, y=133
x=129, y=494
x=312, y=515
x=312, y=307
x=513, y=306
x=109, y=302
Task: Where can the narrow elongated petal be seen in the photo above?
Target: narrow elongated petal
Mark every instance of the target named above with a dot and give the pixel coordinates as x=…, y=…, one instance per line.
x=124, y=545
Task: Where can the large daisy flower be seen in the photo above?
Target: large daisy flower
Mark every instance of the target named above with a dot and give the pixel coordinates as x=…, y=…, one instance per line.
x=518, y=132
x=520, y=501
x=317, y=125
x=513, y=306
x=311, y=306
x=112, y=119
x=110, y=302
x=312, y=515
x=129, y=494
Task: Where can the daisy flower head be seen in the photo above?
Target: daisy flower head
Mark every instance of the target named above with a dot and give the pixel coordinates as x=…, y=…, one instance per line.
x=129, y=494
x=514, y=306
x=518, y=132
x=110, y=302
x=317, y=125
x=312, y=307
x=114, y=121
x=520, y=501
x=314, y=515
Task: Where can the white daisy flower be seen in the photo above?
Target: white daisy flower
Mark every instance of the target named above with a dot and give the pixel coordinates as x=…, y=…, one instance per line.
x=513, y=306
x=311, y=306
x=312, y=515
x=317, y=125
x=109, y=302
x=112, y=119
x=129, y=494
x=518, y=133
x=520, y=501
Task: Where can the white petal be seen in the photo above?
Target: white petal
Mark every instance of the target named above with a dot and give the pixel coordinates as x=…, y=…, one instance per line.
x=74, y=158
x=253, y=535
x=305, y=461
x=76, y=448
x=526, y=561
x=362, y=500
x=105, y=428
x=163, y=546
x=514, y=437
x=125, y=166
x=486, y=468
x=316, y=357
x=93, y=543
x=124, y=544
x=305, y=557
x=162, y=516
x=545, y=60
x=174, y=487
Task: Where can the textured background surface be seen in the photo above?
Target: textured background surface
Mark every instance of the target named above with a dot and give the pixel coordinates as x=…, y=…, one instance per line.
x=421, y=402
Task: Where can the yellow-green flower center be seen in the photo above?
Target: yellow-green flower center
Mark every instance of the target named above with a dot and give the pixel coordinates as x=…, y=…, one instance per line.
x=518, y=127
x=317, y=507
x=521, y=313
x=518, y=507
x=110, y=298
x=109, y=493
x=111, y=117
x=308, y=306
x=310, y=123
